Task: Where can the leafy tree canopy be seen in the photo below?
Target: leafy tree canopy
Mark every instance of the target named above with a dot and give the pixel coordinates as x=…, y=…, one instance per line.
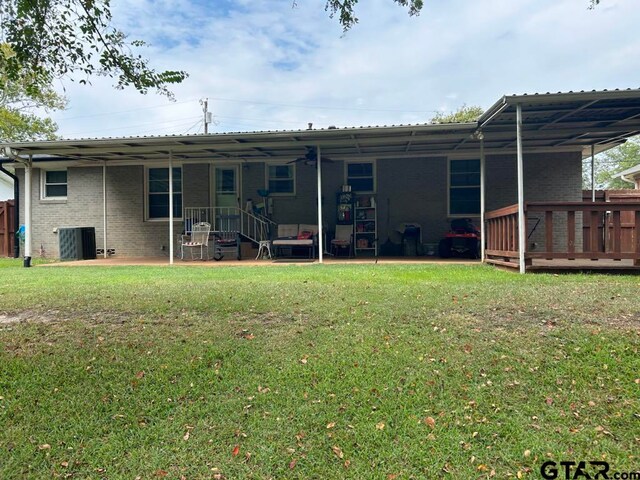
x=464, y=114
x=41, y=40
x=18, y=118
x=345, y=10
x=608, y=164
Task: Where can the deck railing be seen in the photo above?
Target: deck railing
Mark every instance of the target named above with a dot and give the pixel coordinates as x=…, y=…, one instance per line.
x=501, y=229
x=609, y=231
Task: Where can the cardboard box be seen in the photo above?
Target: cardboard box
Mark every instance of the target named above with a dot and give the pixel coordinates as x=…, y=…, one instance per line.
x=248, y=250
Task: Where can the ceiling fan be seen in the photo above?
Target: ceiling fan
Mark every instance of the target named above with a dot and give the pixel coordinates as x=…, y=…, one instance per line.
x=311, y=157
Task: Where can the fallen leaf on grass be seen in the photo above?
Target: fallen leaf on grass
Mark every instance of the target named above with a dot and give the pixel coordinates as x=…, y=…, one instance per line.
x=235, y=451
x=304, y=359
x=64, y=464
x=338, y=451
x=347, y=463
x=331, y=425
x=548, y=400
x=140, y=374
x=292, y=464
x=161, y=473
x=392, y=476
x=430, y=422
x=44, y=446
x=380, y=426
x=186, y=436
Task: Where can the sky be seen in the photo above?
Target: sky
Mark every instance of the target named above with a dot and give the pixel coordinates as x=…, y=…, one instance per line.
x=276, y=65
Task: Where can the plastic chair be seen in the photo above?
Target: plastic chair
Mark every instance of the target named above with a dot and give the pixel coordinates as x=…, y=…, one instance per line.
x=343, y=239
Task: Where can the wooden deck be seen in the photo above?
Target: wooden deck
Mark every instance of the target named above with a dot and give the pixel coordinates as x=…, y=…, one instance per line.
x=576, y=236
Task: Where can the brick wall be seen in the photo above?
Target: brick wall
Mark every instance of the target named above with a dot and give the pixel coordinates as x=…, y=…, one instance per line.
x=409, y=190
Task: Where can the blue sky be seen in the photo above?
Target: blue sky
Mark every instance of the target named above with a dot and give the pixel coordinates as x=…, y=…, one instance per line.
x=271, y=66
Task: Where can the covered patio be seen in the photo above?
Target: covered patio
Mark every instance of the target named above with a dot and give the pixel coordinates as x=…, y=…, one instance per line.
x=519, y=126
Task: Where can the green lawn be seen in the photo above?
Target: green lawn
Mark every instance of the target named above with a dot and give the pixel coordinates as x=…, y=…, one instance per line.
x=359, y=371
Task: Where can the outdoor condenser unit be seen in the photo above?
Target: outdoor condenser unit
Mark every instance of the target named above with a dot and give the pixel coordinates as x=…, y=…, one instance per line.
x=77, y=243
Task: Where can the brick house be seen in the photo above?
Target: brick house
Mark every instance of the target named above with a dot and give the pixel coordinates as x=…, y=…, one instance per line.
x=525, y=150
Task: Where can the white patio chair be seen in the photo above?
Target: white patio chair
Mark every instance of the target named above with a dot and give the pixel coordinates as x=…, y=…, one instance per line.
x=197, y=242
x=343, y=240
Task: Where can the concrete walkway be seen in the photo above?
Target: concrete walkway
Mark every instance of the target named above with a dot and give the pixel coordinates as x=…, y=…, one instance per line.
x=164, y=261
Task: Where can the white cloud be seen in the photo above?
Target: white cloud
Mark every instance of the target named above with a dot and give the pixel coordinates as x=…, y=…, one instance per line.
x=266, y=65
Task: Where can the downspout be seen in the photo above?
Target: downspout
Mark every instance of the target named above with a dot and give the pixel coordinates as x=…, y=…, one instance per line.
x=16, y=211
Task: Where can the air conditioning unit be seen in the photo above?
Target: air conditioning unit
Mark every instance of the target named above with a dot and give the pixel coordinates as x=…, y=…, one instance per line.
x=77, y=243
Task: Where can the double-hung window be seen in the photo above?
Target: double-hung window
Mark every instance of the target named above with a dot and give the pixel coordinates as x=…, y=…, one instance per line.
x=464, y=187
x=361, y=177
x=281, y=179
x=54, y=184
x=158, y=193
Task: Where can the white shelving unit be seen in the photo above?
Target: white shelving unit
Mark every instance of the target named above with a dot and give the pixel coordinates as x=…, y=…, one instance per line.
x=365, y=226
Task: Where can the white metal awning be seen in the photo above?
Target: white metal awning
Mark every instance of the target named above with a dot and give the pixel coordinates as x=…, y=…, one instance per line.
x=551, y=122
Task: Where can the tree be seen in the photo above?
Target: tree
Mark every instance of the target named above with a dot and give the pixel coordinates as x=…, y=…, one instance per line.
x=464, y=114
x=345, y=10
x=608, y=164
x=18, y=122
x=47, y=39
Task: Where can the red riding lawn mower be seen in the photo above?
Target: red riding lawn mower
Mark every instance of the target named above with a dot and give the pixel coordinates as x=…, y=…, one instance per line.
x=463, y=240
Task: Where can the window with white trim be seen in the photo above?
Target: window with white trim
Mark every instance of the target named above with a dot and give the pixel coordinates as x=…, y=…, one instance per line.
x=464, y=187
x=361, y=177
x=281, y=179
x=158, y=193
x=54, y=184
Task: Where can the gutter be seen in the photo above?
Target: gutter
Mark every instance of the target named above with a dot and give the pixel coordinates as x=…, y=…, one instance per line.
x=624, y=177
x=16, y=215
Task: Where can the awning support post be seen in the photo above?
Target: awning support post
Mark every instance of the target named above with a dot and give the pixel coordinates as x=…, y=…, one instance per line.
x=104, y=208
x=27, y=211
x=482, y=196
x=170, y=208
x=320, y=229
x=522, y=222
x=593, y=174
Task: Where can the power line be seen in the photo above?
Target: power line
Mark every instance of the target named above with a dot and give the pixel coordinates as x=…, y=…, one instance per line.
x=169, y=122
x=257, y=102
x=128, y=111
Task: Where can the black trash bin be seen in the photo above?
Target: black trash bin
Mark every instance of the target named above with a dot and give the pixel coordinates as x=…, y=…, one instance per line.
x=411, y=243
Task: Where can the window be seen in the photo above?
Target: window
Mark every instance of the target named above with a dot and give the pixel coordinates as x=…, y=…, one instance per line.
x=361, y=177
x=54, y=184
x=281, y=179
x=158, y=193
x=464, y=187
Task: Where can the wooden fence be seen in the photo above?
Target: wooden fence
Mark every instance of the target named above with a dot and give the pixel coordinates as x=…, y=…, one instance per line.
x=7, y=228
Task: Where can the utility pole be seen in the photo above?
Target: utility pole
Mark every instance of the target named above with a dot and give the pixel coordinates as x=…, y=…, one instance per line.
x=207, y=114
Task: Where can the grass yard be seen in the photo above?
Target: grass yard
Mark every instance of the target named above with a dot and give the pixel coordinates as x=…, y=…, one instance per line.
x=358, y=371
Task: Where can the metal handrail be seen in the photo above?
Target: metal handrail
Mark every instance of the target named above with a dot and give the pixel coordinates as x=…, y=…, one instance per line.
x=253, y=226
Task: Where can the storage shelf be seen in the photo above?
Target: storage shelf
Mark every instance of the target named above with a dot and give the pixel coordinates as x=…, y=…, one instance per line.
x=366, y=218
